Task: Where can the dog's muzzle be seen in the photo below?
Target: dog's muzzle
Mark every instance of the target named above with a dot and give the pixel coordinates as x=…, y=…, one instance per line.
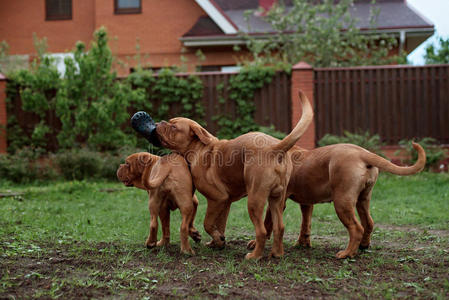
x=123, y=177
x=144, y=124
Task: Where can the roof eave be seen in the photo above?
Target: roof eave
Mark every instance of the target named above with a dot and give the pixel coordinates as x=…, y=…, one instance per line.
x=229, y=40
x=218, y=16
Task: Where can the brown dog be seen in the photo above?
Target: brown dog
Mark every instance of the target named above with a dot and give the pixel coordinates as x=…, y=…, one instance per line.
x=169, y=185
x=224, y=171
x=344, y=174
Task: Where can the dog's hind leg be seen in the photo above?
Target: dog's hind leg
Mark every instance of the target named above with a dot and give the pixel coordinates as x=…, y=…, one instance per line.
x=344, y=203
x=276, y=208
x=256, y=203
x=306, y=226
x=154, y=207
x=215, y=210
x=193, y=232
x=365, y=216
x=164, y=215
x=186, y=209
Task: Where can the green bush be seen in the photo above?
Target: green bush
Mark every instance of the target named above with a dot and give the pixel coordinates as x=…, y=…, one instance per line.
x=362, y=139
x=78, y=164
x=272, y=131
x=26, y=165
x=241, y=90
x=434, y=152
x=89, y=105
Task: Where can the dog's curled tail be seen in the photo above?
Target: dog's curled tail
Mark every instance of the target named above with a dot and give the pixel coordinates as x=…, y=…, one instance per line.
x=300, y=128
x=385, y=165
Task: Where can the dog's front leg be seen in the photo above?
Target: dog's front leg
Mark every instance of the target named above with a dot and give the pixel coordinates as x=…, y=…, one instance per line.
x=306, y=226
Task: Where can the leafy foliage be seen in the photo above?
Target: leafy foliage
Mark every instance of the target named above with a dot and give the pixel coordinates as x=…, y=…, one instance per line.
x=438, y=54
x=365, y=140
x=91, y=102
x=166, y=89
x=434, y=152
x=324, y=35
x=90, y=105
x=25, y=166
x=241, y=90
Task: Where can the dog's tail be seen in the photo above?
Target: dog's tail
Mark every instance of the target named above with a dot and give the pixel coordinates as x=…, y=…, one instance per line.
x=300, y=128
x=384, y=165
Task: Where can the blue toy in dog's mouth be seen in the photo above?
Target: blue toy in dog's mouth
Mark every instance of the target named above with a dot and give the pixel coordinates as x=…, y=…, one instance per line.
x=144, y=124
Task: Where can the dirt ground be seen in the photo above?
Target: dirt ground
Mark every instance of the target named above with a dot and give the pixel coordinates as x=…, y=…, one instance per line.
x=402, y=263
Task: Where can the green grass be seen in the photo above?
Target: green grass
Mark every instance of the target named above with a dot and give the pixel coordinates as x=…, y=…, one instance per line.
x=97, y=238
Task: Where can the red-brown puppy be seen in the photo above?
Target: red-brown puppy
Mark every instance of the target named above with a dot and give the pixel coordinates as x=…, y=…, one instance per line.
x=169, y=184
x=224, y=171
x=344, y=174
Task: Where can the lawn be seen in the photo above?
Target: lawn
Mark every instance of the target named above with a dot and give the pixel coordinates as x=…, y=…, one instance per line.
x=86, y=239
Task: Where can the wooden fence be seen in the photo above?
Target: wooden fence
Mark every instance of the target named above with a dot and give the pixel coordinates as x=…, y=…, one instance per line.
x=395, y=102
x=272, y=101
x=272, y=104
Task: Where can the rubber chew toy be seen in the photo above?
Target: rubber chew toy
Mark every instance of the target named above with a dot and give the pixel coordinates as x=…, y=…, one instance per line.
x=144, y=124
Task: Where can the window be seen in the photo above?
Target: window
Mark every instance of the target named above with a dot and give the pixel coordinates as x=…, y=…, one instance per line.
x=127, y=6
x=58, y=9
x=223, y=69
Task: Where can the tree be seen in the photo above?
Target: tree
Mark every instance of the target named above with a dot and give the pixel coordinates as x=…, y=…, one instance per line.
x=439, y=54
x=324, y=35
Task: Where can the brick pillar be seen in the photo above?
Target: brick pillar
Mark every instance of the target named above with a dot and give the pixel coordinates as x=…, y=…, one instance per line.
x=302, y=79
x=3, y=118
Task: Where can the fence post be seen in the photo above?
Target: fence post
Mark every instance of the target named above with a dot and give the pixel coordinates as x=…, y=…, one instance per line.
x=3, y=117
x=303, y=79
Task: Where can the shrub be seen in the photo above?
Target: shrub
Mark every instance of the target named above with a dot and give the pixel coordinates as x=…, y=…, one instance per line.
x=434, y=152
x=272, y=131
x=78, y=164
x=362, y=139
x=26, y=165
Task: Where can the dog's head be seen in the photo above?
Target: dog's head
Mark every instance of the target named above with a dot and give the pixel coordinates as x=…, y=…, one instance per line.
x=179, y=133
x=130, y=173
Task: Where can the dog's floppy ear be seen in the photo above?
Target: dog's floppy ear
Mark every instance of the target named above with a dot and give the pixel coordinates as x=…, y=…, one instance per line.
x=204, y=136
x=142, y=161
x=155, y=176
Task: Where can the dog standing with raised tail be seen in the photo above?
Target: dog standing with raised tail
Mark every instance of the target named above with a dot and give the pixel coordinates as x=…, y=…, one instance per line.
x=254, y=165
x=344, y=174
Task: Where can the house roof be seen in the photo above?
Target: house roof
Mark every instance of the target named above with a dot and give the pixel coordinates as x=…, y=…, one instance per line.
x=394, y=16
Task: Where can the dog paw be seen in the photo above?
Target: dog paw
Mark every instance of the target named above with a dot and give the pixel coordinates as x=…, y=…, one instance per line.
x=188, y=252
x=150, y=245
x=276, y=255
x=303, y=244
x=216, y=245
x=344, y=254
x=363, y=247
x=196, y=236
x=251, y=245
x=163, y=242
x=252, y=256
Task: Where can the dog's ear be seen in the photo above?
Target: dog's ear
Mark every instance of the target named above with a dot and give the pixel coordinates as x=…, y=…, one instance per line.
x=204, y=136
x=142, y=161
x=155, y=176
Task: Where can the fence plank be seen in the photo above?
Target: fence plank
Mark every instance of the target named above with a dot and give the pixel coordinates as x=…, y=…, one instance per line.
x=397, y=102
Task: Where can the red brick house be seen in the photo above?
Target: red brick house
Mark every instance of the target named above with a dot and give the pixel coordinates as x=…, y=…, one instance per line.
x=171, y=28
